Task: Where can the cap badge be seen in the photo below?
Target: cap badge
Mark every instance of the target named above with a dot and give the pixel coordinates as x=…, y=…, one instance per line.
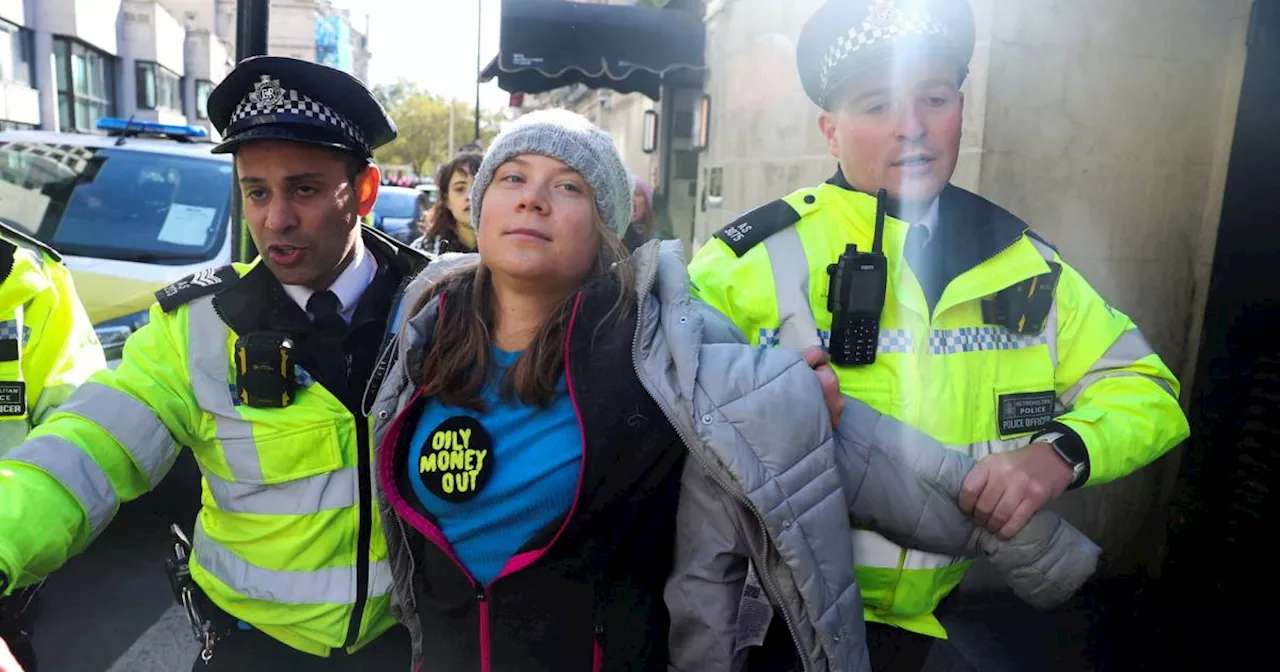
x=267, y=92
x=883, y=13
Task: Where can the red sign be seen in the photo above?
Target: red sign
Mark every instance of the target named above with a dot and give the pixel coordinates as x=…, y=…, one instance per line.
x=517, y=100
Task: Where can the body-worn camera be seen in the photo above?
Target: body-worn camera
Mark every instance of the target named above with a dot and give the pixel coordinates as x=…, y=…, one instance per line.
x=1024, y=308
x=855, y=298
x=265, y=370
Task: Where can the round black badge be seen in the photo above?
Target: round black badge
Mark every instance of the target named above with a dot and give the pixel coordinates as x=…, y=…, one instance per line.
x=456, y=460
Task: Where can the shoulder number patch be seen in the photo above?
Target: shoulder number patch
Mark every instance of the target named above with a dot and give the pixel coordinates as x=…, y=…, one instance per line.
x=204, y=282
x=753, y=228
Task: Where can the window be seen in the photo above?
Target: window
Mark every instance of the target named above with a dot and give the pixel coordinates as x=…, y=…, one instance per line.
x=15, y=54
x=86, y=84
x=204, y=87
x=110, y=204
x=158, y=87
x=146, y=85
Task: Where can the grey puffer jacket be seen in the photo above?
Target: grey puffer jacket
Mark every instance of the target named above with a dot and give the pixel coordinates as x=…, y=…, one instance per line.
x=769, y=483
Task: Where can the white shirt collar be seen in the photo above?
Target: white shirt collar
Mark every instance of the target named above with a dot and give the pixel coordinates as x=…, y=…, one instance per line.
x=929, y=220
x=349, y=286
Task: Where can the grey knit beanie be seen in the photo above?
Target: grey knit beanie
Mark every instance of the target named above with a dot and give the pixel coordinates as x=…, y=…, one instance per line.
x=571, y=138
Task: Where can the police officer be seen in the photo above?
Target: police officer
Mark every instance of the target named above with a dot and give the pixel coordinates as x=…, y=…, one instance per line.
x=47, y=349
x=260, y=369
x=980, y=335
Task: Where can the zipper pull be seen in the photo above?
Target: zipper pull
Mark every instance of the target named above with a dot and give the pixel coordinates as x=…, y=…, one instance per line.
x=599, y=634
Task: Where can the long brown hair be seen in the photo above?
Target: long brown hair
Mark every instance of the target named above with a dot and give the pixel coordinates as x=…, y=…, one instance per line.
x=460, y=360
x=440, y=221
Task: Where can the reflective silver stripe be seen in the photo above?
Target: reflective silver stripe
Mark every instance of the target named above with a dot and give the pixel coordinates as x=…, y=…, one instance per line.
x=1050, y=324
x=873, y=550
x=208, y=367
x=379, y=578
x=335, y=585
x=922, y=560
x=77, y=472
x=322, y=492
x=131, y=423
x=12, y=432
x=1131, y=347
x=790, y=266
x=50, y=399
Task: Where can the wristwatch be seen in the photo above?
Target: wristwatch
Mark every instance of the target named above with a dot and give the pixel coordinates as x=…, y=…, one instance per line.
x=1072, y=452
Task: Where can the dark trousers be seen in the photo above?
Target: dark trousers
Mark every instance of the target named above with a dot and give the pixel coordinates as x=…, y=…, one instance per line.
x=253, y=651
x=16, y=621
x=1105, y=628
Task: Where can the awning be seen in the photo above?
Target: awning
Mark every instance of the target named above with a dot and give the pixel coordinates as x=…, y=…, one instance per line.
x=547, y=44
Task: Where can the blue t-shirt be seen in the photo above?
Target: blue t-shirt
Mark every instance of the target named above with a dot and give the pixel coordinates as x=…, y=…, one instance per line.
x=493, y=480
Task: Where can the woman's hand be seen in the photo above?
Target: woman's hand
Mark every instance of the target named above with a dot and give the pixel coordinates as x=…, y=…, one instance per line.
x=7, y=662
x=818, y=359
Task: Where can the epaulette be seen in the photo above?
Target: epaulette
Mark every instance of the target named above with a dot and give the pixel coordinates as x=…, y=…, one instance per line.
x=16, y=236
x=6, y=258
x=203, y=282
x=753, y=228
x=1035, y=236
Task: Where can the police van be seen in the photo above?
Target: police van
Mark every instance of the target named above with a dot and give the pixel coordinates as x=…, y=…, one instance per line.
x=131, y=211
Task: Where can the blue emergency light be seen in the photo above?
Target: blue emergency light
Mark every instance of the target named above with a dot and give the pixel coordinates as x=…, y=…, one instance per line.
x=150, y=127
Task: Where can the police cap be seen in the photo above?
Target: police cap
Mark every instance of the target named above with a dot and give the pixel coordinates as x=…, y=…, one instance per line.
x=278, y=98
x=846, y=37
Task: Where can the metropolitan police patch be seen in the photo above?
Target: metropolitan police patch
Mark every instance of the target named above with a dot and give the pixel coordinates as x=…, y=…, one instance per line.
x=1024, y=412
x=13, y=399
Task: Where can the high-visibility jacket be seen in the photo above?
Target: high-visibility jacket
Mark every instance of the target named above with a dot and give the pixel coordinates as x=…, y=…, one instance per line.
x=286, y=539
x=977, y=387
x=47, y=344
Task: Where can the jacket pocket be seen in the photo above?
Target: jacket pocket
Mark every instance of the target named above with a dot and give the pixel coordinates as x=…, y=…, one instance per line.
x=266, y=457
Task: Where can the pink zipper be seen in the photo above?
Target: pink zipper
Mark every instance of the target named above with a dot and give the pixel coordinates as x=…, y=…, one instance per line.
x=484, y=630
x=523, y=560
x=597, y=650
x=386, y=474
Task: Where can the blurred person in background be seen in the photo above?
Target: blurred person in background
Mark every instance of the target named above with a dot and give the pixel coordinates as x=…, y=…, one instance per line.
x=448, y=223
x=644, y=222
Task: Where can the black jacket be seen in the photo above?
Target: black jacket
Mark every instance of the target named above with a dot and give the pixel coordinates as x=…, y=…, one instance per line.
x=592, y=600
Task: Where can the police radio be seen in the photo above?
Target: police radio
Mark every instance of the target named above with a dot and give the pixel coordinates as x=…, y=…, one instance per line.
x=855, y=298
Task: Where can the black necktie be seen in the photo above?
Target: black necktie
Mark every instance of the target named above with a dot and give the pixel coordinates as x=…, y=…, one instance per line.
x=327, y=360
x=922, y=263
x=324, y=308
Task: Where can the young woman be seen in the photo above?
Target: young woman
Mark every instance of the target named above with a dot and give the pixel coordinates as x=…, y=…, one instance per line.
x=538, y=405
x=448, y=226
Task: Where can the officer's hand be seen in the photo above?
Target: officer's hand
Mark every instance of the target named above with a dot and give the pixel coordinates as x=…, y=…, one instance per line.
x=818, y=360
x=1004, y=490
x=7, y=662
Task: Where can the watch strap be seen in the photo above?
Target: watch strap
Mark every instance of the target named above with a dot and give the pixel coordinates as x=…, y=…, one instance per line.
x=1070, y=447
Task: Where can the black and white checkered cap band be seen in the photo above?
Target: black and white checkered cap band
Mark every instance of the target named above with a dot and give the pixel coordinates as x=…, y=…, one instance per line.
x=914, y=22
x=303, y=110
